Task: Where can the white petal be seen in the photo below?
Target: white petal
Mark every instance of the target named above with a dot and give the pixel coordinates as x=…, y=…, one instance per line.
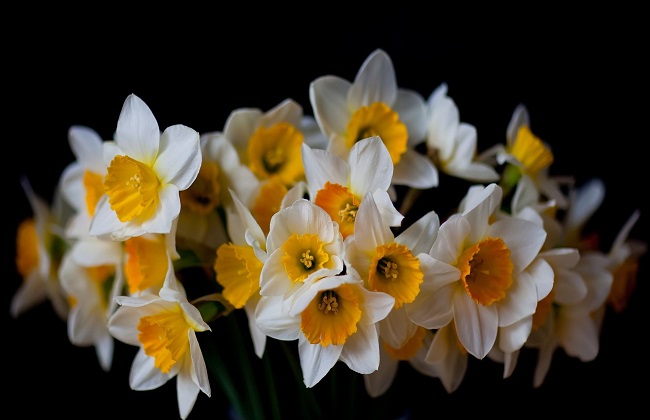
x=451, y=239
x=584, y=202
x=249, y=223
x=412, y=111
x=104, y=348
x=274, y=280
x=396, y=329
x=322, y=166
x=137, y=133
x=519, y=118
x=199, y=373
x=420, y=236
x=86, y=144
x=474, y=171
x=543, y=276
x=370, y=231
x=450, y=362
x=442, y=124
x=257, y=335
x=144, y=376
x=479, y=204
x=361, y=350
x=371, y=167
x=544, y=358
x=377, y=306
x=578, y=335
x=179, y=157
x=274, y=321
x=377, y=383
x=186, y=393
x=316, y=360
x=569, y=287
x=375, y=82
x=29, y=294
x=524, y=240
x=286, y=111
x=415, y=170
x=513, y=337
x=240, y=126
x=433, y=308
x=389, y=214
x=520, y=301
x=476, y=325
x=328, y=97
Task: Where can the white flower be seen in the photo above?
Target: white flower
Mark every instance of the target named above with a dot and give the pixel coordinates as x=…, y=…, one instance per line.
x=37, y=241
x=500, y=280
x=373, y=105
x=91, y=274
x=303, y=246
x=146, y=170
x=238, y=267
x=530, y=156
x=82, y=181
x=447, y=359
x=338, y=186
x=334, y=320
x=452, y=144
x=164, y=327
x=269, y=142
x=399, y=266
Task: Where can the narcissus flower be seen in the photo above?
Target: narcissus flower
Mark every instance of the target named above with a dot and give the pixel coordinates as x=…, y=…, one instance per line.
x=334, y=320
x=303, y=246
x=39, y=248
x=82, y=181
x=91, y=275
x=145, y=172
x=373, y=105
x=499, y=275
x=164, y=327
x=338, y=186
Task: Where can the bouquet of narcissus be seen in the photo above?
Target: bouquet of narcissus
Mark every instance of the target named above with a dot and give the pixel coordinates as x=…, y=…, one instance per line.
x=157, y=237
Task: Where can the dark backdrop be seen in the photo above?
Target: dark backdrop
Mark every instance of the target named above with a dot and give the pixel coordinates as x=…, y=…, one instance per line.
x=585, y=94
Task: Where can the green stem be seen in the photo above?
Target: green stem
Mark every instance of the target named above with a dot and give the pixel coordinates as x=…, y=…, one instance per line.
x=307, y=399
x=255, y=403
x=215, y=363
x=273, y=395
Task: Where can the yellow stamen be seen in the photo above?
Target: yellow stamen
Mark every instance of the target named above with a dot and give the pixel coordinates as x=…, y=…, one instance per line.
x=332, y=316
x=303, y=255
x=342, y=206
x=147, y=264
x=203, y=195
x=531, y=151
x=164, y=337
x=380, y=120
x=276, y=152
x=94, y=187
x=238, y=271
x=486, y=271
x=403, y=285
x=132, y=189
x=26, y=247
x=410, y=348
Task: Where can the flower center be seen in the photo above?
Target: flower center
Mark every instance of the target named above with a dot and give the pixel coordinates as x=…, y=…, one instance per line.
x=164, y=337
x=380, y=120
x=332, y=316
x=146, y=264
x=303, y=255
x=203, y=195
x=26, y=247
x=238, y=271
x=486, y=271
x=275, y=152
x=132, y=189
x=394, y=270
x=531, y=151
x=342, y=206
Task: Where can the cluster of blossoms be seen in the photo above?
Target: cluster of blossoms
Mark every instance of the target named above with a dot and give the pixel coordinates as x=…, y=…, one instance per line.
x=299, y=221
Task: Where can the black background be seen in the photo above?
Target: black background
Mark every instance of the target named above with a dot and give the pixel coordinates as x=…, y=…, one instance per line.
x=584, y=87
